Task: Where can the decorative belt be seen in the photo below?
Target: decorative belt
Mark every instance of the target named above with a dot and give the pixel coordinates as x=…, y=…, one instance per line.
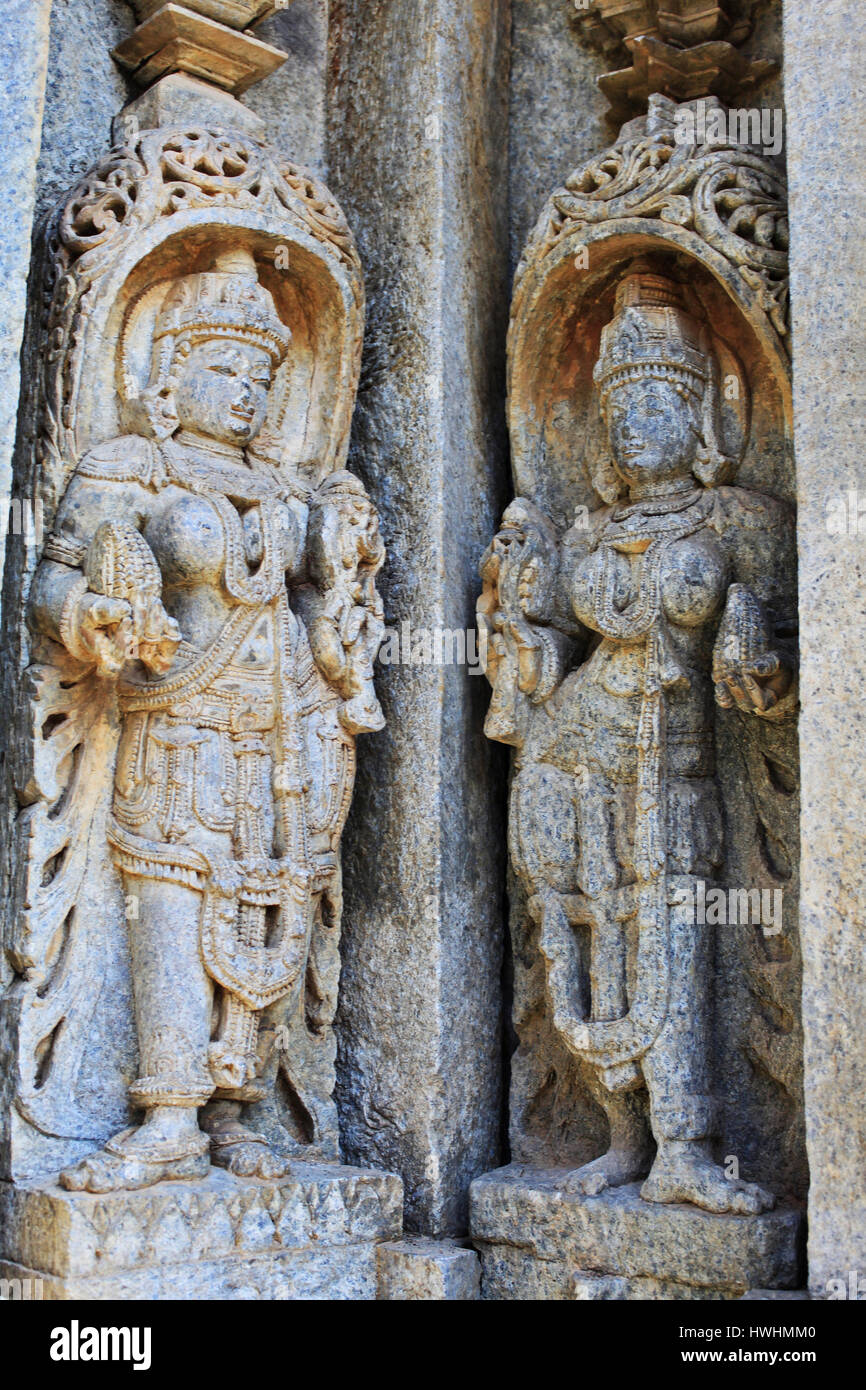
x=196, y=678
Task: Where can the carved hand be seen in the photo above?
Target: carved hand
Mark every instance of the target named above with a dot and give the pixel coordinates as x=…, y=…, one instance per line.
x=747, y=672
x=157, y=636
x=104, y=631
x=120, y=564
x=508, y=562
x=523, y=565
x=110, y=632
x=754, y=685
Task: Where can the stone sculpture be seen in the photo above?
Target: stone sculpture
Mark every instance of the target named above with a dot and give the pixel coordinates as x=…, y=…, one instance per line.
x=620, y=637
x=614, y=807
x=203, y=625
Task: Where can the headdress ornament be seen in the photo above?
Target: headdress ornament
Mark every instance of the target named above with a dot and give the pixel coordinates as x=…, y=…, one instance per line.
x=339, y=485
x=224, y=302
x=651, y=334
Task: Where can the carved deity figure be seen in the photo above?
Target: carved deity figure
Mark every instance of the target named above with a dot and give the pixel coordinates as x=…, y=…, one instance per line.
x=607, y=648
x=238, y=621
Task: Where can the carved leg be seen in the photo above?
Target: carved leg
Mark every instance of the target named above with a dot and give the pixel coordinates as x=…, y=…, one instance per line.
x=239, y=1149
x=677, y=1072
x=233, y=1145
x=684, y=1171
x=628, y=1157
x=173, y=1012
x=167, y=1147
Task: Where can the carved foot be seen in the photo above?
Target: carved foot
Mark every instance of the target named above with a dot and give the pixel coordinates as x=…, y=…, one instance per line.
x=243, y=1152
x=138, y=1158
x=614, y=1168
x=692, y=1177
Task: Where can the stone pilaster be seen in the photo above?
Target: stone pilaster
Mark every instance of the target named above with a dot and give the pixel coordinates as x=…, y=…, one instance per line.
x=418, y=158
x=292, y=100
x=826, y=112
x=24, y=59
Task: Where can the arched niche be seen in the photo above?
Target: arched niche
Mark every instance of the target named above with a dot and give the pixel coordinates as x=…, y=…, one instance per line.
x=164, y=208
x=563, y=300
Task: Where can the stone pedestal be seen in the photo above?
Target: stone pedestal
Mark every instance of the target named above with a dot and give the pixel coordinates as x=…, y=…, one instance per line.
x=537, y=1241
x=418, y=1269
x=313, y=1235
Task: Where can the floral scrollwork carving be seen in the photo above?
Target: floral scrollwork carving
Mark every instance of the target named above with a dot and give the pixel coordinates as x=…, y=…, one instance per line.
x=731, y=196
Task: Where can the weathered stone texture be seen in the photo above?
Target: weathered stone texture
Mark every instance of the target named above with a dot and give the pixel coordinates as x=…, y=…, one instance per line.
x=558, y=317
x=537, y=1240
x=23, y=56
x=179, y=99
x=292, y=100
x=85, y=89
x=311, y=1236
x=442, y=162
x=826, y=112
x=416, y=1269
x=417, y=158
x=557, y=116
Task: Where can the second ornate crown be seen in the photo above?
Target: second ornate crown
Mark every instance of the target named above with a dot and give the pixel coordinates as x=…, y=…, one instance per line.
x=651, y=334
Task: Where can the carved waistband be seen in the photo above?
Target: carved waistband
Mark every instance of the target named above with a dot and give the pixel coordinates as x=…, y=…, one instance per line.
x=193, y=679
x=254, y=881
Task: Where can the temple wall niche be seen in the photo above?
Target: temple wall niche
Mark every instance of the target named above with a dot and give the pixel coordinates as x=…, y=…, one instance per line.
x=508, y=1069
x=559, y=120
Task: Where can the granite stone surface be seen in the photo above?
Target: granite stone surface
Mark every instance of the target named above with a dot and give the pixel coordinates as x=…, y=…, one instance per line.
x=417, y=158
x=538, y=1240
x=311, y=1235
x=442, y=126
x=85, y=89
x=292, y=100
x=828, y=273
x=24, y=40
x=419, y=1269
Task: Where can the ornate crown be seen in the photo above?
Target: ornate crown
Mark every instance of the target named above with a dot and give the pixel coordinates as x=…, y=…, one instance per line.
x=225, y=302
x=651, y=335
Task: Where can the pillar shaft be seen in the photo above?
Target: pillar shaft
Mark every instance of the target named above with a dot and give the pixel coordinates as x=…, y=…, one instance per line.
x=826, y=108
x=418, y=158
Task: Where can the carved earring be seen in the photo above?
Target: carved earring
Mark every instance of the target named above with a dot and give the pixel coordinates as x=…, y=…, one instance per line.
x=711, y=467
x=603, y=475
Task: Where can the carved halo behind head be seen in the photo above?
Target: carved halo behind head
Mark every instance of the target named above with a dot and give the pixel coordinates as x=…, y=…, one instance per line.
x=649, y=195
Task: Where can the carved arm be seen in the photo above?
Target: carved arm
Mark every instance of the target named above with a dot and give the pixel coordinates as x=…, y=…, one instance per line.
x=97, y=588
x=754, y=656
x=341, y=607
x=524, y=654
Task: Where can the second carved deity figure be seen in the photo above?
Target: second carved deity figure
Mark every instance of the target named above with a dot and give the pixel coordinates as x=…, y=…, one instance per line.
x=170, y=570
x=607, y=648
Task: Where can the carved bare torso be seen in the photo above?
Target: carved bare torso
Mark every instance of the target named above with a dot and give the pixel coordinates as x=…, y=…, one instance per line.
x=611, y=583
